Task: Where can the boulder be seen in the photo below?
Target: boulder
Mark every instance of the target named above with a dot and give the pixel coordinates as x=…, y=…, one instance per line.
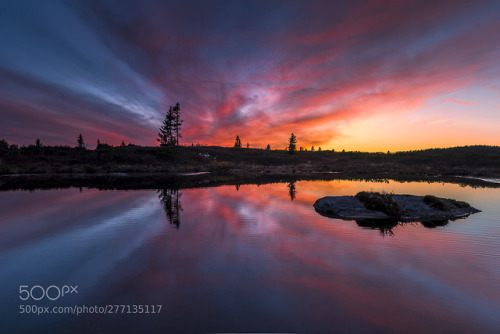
x=403, y=208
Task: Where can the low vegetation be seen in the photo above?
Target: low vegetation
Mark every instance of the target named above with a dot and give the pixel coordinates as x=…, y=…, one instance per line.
x=477, y=161
x=436, y=203
x=460, y=204
x=383, y=202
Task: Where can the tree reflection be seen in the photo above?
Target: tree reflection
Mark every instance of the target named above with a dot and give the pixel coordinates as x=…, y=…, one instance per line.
x=291, y=190
x=170, y=201
x=385, y=226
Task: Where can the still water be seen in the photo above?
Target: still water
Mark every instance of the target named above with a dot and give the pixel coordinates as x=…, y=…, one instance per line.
x=244, y=259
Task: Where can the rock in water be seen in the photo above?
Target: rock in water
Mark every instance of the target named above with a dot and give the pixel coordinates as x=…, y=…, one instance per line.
x=404, y=208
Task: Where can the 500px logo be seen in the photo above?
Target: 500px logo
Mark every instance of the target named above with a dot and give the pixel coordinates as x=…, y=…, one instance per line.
x=53, y=292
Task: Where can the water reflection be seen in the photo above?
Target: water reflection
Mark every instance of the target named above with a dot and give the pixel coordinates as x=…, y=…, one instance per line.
x=435, y=223
x=62, y=237
x=292, y=192
x=249, y=261
x=170, y=201
x=386, y=226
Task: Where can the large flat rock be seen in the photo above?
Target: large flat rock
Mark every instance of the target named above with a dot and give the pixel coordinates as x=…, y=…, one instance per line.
x=411, y=209
x=347, y=207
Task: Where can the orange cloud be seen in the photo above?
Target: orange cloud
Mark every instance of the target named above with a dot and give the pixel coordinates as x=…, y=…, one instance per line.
x=262, y=75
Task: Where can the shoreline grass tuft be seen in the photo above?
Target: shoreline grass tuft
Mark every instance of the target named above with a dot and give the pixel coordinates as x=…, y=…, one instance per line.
x=383, y=202
x=436, y=203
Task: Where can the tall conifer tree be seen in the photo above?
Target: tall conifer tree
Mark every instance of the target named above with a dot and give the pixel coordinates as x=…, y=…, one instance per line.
x=237, y=142
x=80, y=142
x=170, y=131
x=177, y=122
x=166, y=135
x=292, y=144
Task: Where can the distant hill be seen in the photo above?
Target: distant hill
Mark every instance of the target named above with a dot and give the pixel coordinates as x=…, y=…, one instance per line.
x=474, y=149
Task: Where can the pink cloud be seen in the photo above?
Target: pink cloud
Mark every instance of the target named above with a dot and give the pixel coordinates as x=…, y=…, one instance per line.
x=460, y=102
x=263, y=75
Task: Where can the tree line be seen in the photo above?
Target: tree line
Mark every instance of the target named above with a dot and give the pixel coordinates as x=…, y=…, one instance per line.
x=168, y=135
x=291, y=148
x=170, y=132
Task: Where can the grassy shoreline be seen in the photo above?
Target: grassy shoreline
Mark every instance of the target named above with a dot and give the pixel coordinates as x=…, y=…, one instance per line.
x=179, y=181
x=105, y=166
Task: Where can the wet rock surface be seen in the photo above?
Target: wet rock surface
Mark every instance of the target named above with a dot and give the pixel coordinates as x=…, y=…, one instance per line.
x=410, y=208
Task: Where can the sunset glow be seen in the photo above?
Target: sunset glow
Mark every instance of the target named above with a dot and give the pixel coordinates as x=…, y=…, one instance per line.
x=356, y=75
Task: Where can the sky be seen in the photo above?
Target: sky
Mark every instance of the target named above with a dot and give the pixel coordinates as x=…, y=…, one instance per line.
x=356, y=75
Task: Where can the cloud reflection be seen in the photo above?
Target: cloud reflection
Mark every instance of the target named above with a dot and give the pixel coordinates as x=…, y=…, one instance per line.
x=249, y=258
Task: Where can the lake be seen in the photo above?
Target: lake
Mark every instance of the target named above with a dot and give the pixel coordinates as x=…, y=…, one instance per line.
x=243, y=258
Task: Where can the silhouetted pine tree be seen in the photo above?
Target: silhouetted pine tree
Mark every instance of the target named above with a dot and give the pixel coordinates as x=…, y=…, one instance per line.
x=237, y=142
x=4, y=145
x=292, y=144
x=166, y=136
x=268, y=147
x=170, y=131
x=177, y=122
x=80, y=142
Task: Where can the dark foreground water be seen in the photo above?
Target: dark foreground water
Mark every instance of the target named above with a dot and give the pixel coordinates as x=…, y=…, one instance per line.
x=243, y=259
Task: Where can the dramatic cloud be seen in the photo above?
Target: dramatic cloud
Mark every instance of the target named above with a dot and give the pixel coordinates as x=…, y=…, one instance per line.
x=325, y=70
